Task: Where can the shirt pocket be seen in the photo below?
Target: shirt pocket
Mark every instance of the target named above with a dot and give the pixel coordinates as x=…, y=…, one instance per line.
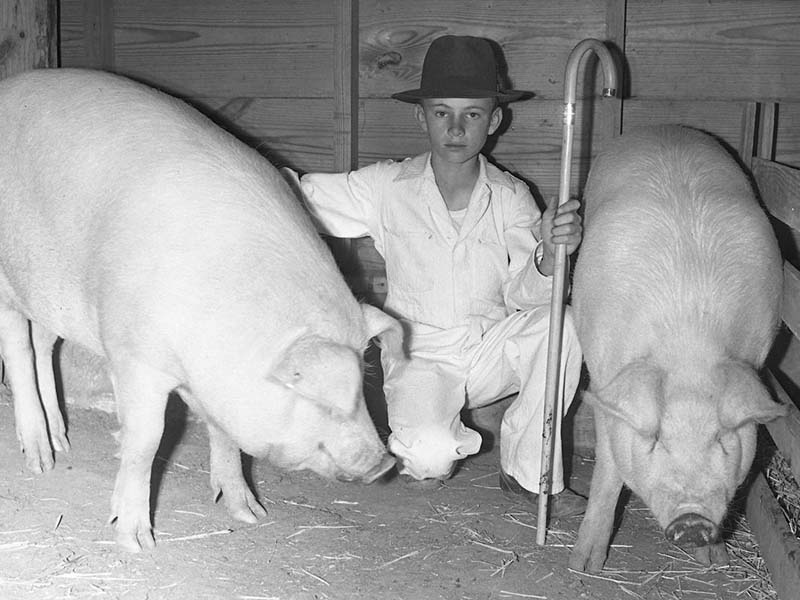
x=489, y=268
x=413, y=260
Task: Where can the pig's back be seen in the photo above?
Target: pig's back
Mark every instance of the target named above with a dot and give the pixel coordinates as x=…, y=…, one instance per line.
x=120, y=202
x=678, y=259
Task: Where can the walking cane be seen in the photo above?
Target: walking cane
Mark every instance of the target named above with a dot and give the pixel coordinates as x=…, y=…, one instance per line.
x=553, y=389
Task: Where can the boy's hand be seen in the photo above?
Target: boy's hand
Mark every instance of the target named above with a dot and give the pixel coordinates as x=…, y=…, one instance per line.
x=560, y=225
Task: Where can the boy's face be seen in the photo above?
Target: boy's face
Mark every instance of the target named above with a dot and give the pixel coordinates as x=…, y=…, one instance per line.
x=457, y=128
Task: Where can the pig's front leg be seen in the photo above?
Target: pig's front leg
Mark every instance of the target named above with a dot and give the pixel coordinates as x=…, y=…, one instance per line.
x=227, y=478
x=43, y=342
x=15, y=345
x=141, y=394
x=590, y=551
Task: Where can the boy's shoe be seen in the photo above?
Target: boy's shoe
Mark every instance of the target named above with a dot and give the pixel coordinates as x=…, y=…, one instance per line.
x=563, y=504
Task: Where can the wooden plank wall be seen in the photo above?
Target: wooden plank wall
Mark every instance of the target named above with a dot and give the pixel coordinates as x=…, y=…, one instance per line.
x=308, y=82
x=699, y=63
x=279, y=74
x=266, y=70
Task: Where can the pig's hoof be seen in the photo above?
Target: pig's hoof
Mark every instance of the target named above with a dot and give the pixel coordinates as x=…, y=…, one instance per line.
x=132, y=541
x=583, y=563
x=38, y=460
x=243, y=506
x=134, y=537
x=61, y=443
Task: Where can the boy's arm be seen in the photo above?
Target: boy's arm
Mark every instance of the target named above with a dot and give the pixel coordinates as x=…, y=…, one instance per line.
x=339, y=203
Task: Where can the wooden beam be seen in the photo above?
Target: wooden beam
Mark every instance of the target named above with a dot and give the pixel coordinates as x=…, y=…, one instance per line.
x=778, y=185
x=28, y=37
x=778, y=545
x=785, y=431
x=790, y=310
x=345, y=85
x=611, y=108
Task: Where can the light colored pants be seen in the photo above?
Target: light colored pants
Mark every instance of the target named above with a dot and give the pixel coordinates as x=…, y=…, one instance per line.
x=448, y=371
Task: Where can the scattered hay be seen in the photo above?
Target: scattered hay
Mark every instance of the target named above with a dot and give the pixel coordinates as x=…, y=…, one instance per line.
x=787, y=492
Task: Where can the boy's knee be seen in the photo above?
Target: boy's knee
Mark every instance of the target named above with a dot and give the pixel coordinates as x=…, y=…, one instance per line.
x=425, y=453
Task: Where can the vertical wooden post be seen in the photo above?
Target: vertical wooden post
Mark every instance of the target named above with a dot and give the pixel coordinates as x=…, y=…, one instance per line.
x=345, y=105
x=611, y=108
x=345, y=86
x=28, y=35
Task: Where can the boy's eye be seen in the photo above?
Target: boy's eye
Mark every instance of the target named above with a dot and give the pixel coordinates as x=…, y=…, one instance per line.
x=440, y=114
x=474, y=115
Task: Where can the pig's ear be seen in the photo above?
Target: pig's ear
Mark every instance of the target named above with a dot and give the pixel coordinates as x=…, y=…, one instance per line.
x=633, y=396
x=388, y=331
x=744, y=398
x=326, y=373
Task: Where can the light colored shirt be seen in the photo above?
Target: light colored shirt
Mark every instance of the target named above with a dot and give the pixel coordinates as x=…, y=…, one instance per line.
x=439, y=276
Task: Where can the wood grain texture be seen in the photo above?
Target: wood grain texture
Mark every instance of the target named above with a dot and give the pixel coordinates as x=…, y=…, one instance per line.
x=779, y=186
x=791, y=300
x=345, y=85
x=283, y=48
x=535, y=37
x=720, y=118
x=786, y=431
x=290, y=137
x=28, y=37
x=778, y=545
x=722, y=50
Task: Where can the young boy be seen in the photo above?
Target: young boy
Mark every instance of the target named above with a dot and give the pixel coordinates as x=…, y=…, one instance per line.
x=469, y=262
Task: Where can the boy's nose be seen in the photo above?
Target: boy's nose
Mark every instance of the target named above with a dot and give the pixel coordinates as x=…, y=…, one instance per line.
x=456, y=130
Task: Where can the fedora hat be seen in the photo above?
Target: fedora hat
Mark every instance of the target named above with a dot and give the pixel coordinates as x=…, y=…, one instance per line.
x=460, y=67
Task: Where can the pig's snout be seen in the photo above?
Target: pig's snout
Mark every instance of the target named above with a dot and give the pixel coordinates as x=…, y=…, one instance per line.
x=691, y=530
x=386, y=463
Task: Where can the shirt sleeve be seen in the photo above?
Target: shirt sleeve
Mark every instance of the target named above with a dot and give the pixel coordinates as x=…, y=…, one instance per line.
x=342, y=204
x=526, y=286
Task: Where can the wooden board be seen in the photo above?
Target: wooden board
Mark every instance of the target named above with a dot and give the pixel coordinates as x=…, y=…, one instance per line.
x=791, y=299
x=778, y=545
x=283, y=48
x=721, y=118
x=722, y=50
x=28, y=37
x=287, y=137
x=535, y=36
x=779, y=186
x=785, y=432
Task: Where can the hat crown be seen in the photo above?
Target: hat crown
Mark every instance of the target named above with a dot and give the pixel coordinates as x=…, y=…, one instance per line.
x=460, y=67
x=460, y=63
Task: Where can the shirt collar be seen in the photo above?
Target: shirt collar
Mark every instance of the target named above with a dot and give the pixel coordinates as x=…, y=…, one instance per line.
x=419, y=167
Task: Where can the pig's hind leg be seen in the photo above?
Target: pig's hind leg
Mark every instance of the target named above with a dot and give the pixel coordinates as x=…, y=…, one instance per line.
x=227, y=478
x=31, y=426
x=141, y=394
x=43, y=342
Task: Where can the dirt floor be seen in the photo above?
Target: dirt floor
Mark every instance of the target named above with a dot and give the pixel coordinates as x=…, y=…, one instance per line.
x=320, y=540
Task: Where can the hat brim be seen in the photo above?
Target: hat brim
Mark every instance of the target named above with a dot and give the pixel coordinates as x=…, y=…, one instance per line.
x=421, y=94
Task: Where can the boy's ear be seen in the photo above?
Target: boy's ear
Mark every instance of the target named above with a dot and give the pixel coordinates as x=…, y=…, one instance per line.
x=419, y=113
x=496, y=119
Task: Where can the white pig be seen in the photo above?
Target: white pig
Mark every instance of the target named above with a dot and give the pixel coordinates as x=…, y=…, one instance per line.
x=134, y=226
x=676, y=297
